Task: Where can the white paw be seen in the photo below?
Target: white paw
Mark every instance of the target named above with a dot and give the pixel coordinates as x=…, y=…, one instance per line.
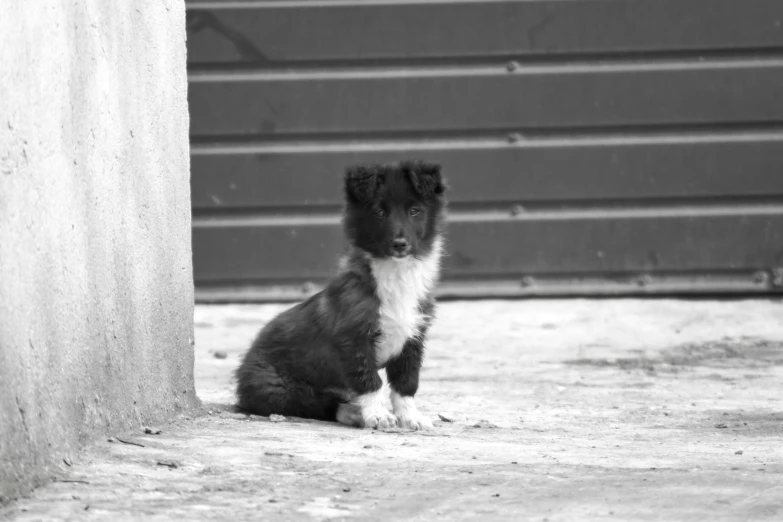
x=407, y=413
x=367, y=411
x=414, y=421
x=378, y=418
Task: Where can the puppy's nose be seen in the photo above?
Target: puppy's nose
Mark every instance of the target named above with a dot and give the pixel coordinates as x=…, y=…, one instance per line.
x=400, y=245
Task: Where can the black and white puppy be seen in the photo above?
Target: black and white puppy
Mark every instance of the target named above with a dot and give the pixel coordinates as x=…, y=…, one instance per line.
x=320, y=359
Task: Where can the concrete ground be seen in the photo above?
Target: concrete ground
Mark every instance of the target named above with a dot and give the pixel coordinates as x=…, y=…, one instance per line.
x=544, y=410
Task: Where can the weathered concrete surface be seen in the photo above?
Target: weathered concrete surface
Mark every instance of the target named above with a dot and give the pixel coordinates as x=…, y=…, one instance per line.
x=625, y=410
x=95, y=260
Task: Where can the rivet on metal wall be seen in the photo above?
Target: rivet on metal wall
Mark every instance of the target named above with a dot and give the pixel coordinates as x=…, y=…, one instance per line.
x=526, y=281
x=517, y=210
x=514, y=137
x=308, y=287
x=777, y=277
x=761, y=278
x=643, y=280
x=512, y=66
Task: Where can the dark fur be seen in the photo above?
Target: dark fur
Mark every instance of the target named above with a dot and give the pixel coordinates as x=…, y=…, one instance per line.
x=321, y=352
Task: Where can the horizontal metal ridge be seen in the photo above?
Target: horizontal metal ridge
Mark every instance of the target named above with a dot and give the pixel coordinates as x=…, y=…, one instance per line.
x=491, y=69
x=711, y=284
x=680, y=209
x=489, y=140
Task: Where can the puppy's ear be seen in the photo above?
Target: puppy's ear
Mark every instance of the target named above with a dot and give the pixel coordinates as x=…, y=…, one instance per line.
x=425, y=178
x=361, y=183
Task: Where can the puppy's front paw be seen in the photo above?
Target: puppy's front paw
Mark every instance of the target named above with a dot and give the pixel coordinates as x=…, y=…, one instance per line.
x=414, y=421
x=407, y=413
x=378, y=418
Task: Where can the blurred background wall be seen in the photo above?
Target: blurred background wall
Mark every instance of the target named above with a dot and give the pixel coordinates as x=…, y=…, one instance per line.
x=593, y=147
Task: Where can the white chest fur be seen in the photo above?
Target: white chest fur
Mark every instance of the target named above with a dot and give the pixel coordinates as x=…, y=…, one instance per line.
x=401, y=284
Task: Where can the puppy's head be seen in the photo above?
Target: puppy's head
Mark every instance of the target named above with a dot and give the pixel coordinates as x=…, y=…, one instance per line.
x=394, y=211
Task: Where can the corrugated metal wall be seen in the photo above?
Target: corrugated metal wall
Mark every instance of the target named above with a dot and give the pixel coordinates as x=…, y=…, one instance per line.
x=593, y=146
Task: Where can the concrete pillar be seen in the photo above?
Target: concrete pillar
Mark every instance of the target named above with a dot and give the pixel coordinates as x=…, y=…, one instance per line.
x=96, y=291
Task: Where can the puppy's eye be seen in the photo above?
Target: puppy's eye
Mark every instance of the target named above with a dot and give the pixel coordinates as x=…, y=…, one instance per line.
x=414, y=211
x=380, y=212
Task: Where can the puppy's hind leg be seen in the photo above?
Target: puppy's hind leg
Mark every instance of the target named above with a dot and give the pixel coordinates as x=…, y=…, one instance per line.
x=350, y=415
x=260, y=389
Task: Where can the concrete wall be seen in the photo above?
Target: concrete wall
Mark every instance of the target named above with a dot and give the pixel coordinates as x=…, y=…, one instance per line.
x=95, y=259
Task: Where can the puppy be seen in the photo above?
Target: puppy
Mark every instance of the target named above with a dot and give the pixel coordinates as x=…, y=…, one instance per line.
x=320, y=359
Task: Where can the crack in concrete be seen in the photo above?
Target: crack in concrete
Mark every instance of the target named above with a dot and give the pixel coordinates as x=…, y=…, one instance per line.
x=21, y=413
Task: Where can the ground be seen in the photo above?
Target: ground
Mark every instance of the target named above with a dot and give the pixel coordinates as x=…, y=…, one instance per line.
x=544, y=410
